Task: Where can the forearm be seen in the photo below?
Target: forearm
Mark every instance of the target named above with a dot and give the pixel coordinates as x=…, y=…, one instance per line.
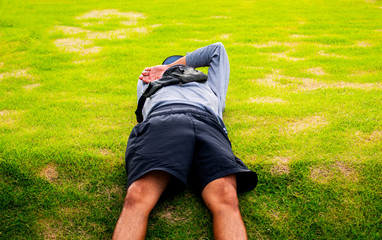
x=206, y=56
x=201, y=57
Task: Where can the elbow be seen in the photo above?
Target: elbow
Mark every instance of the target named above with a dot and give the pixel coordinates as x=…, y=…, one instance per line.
x=218, y=45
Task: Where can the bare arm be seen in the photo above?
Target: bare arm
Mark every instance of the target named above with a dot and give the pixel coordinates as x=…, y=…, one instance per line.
x=154, y=73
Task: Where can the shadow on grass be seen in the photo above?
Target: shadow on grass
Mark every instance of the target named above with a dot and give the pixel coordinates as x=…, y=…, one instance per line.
x=23, y=198
x=33, y=208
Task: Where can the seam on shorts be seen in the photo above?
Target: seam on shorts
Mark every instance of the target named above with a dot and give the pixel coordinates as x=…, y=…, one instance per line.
x=193, y=128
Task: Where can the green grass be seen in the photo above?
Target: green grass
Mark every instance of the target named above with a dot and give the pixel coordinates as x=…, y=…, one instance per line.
x=304, y=110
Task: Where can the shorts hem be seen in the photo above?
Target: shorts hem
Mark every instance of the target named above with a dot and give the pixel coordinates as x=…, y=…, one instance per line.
x=241, y=185
x=130, y=180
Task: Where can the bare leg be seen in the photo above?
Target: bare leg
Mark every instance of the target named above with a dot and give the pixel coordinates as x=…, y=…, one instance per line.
x=141, y=198
x=220, y=197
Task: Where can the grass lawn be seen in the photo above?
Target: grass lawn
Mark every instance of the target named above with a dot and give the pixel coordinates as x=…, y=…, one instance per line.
x=304, y=110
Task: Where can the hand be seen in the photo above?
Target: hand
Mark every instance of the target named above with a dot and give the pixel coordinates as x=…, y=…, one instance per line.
x=153, y=73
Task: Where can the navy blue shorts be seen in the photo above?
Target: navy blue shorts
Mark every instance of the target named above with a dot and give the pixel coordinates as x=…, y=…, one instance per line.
x=188, y=143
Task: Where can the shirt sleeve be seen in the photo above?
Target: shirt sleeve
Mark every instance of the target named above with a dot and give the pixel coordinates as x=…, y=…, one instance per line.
x=215, y=57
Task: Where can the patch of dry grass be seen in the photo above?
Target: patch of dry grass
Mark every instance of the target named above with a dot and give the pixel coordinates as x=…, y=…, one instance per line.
x=83, y=61
x=129, y=22
x=266, y=100
x=199, y=40
x=308, y=84
x=106, y=15
x=84, y=44
x=49, y=230
x=221, y=17
x=275, y=44
x=368, y=138
x=223, y=37
x=4, y=112
x=320, y=174
x=273, y=80
x=299, y=36
x=20, y=73
x=281, y=166
x=109, y=14
x=70, y=30
x=318, y=71
x=277, y=216
x=333, y=55
x=283, y=55
x=172, y=216
x=363, y=44
x=363, y=73
x=50, y=173
x=338, y=170
x=375, y=136
x=55, y=229
x=113, y=192
x=116, y=34
x=31, y=86
x=106, y=152
x=78, y=45
x=308, y=123
x=9, y=118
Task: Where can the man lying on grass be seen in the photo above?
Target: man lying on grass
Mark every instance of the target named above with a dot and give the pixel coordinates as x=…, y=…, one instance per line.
x=182, y=140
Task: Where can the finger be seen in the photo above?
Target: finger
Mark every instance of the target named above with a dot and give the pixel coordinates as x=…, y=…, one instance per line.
x=145, y=79
x=144, y=73
x=147, y=69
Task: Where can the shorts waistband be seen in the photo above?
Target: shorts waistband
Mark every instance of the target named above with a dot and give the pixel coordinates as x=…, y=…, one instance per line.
x=183, y=108
x=180, y=108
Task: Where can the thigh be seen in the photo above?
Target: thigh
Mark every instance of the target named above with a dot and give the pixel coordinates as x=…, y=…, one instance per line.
x=213, y=153
x=164, y=143
x=149, y=187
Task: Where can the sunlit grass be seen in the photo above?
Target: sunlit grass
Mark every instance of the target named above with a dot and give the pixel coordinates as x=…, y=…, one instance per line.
x=303, y=111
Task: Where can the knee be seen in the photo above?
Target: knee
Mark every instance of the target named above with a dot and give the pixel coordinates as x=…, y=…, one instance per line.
x=138, y=197
x=228, y=197
x=223, y=199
